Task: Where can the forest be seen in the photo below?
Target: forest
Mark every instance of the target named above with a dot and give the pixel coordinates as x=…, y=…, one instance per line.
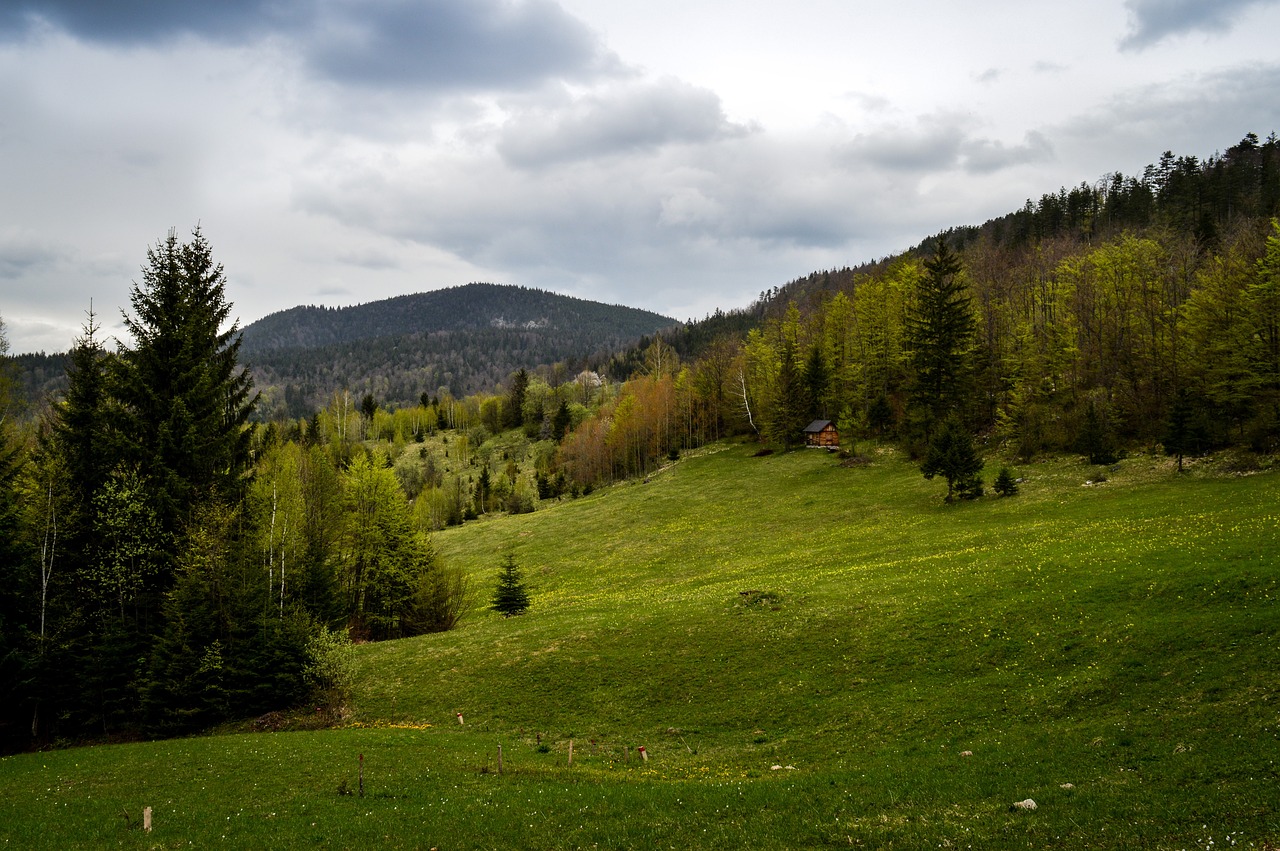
x=461, y=340
x=176, y=556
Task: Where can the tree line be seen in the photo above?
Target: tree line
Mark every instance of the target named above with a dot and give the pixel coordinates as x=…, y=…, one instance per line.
x=166, y=565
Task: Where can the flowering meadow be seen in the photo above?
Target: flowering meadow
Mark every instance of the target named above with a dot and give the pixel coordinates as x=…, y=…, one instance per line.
x=812, y=654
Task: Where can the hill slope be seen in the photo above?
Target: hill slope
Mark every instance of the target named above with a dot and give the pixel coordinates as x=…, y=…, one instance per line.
x=808, y=652
x=473, y=307
x=466, y=339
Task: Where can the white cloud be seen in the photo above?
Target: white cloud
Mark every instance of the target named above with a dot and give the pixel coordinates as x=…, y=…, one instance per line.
x=638, y=117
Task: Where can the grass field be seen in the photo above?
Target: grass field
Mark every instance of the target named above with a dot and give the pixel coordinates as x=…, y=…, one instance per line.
x=812, y=655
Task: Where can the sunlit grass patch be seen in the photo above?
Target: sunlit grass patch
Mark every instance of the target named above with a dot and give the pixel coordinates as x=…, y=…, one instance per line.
x=806, y=651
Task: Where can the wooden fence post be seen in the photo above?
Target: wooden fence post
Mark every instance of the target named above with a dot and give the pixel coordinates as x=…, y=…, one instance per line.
x=571, y=752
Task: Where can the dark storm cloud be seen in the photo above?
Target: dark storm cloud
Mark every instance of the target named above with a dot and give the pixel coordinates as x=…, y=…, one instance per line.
x=397, y=44
x=141, y=21
x=1151, y=21
x=455, y=43
x=637, y=119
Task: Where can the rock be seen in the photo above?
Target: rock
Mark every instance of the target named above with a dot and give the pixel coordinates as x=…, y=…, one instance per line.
x=966, y=753
x=1028, y=804
x=1068, y=786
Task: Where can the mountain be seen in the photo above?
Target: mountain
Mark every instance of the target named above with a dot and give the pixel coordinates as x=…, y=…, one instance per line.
x=464, y=339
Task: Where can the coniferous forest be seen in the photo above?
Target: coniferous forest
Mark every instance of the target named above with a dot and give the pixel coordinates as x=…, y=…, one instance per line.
x=176, y=554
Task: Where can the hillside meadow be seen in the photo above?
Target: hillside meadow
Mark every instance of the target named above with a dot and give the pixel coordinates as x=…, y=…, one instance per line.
x=812, y=654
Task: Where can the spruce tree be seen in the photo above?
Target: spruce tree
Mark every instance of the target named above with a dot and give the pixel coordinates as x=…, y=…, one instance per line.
x=788, y=415
x=1095, y=440
x=186, y=399
x=940, y=329
x=817, y=378
x=513, y=405
x=952, y=456
x=1182, y=433
x=510, y=597
x=1006, y=484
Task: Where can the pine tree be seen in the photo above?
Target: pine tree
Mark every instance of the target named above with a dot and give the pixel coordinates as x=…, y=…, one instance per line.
x=1095, y=440
x=513, y=406
x=561, y=421
x=787, y=416
x=817, y=378
x=510, y=597
x=1006, y=484
x=186, y=400
x=1182, y=433
x=940, y=329
x=952, y=456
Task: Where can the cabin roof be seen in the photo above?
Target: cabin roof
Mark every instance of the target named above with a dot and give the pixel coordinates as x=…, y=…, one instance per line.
x=816, y=426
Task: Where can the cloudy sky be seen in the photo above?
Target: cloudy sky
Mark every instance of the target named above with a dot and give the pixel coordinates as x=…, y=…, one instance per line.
x=673, y=155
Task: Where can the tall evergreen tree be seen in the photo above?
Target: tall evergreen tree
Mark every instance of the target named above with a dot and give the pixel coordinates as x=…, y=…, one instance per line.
x=940, y=329
x=1183, y=434
x=186, y=398
x=788, y=414
x=513, y=406
x=1096, y=441
x=817, y=379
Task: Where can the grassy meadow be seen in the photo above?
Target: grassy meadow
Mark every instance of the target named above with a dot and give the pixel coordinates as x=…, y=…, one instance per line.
x=812, y=654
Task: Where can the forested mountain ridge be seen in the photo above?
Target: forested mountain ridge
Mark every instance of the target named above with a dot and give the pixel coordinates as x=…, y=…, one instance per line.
x=463, y=339
x=471, y=307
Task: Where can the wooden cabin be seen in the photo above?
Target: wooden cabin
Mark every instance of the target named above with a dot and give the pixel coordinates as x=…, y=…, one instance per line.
x=822, y=433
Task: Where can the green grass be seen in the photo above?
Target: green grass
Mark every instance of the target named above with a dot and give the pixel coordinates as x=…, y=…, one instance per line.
x=735, y=614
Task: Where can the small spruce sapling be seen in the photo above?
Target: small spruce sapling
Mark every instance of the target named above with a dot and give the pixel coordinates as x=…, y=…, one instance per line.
x=1006, y=484
x=510, y=597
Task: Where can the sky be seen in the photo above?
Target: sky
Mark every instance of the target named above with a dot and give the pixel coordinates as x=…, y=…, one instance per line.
x=671, y=155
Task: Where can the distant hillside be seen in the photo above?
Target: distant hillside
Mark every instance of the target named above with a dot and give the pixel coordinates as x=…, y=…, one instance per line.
x=466, y=339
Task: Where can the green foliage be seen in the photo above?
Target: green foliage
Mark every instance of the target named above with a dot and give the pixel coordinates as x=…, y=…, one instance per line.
x=330, y=668
x=1096, y=441
x=184, y=397
x=789, y=411
x=1005, y=484
x=443, y=598
x=952, y=456
x=382, y=558
x=1184, y=434
x=467, y=339
x=510, y=597
x=940, y=329
x=513, y=407
x=1058, y=638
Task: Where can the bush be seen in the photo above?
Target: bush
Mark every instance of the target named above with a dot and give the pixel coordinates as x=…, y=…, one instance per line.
x=330, y=667
x=444, y=595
